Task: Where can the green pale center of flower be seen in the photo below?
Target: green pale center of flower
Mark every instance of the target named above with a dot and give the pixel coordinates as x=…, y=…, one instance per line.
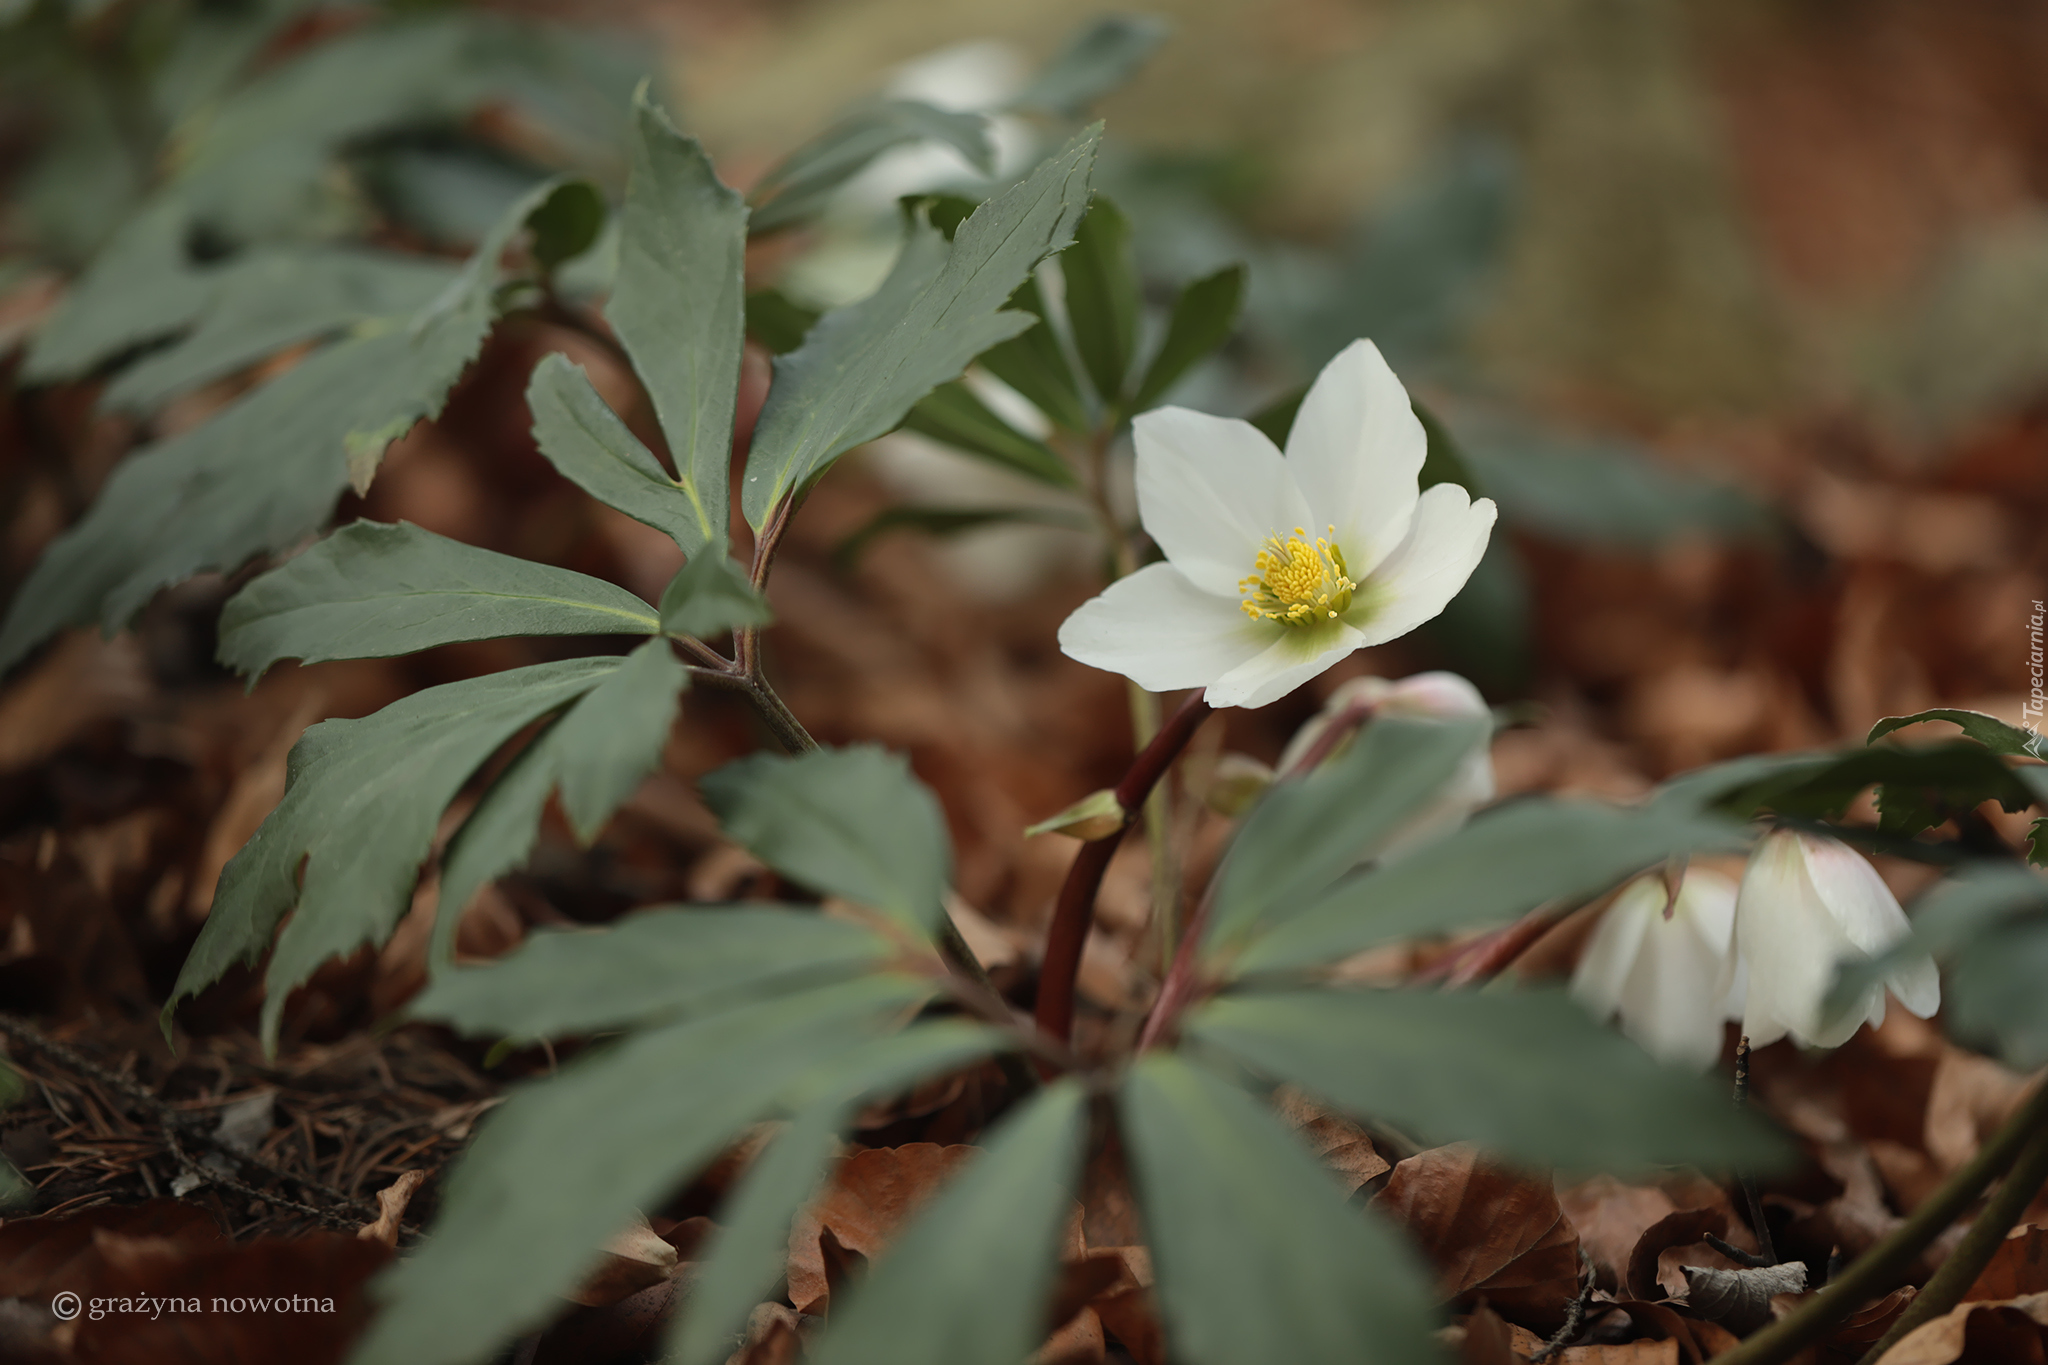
x=1297, y=581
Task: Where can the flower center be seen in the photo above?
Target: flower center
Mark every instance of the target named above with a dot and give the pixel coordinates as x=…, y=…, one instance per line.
x=1297, y=581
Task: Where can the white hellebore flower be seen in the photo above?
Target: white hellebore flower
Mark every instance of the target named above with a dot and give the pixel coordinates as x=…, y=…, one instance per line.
x=1424, y=696
x=1278, y=566
x=1663, y=965
x=1807, y=905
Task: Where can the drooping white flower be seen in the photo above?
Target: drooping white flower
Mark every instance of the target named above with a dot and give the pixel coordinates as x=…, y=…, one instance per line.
x=1807, y=905
x=1278, y=566
x=1424, y=696
x=1665, y=965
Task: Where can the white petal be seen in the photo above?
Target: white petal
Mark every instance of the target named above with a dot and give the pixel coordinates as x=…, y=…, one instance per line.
x=1661, y=975
x=1707, y=899
x=1790, y=943
x=1356, y=450
x=1917, y=985
x=1300, y=653
x=1417, y=581
x=1854, y=893
x=1161, y=631
x=1612, y=950
x=1432, y=695
x=1210, y=490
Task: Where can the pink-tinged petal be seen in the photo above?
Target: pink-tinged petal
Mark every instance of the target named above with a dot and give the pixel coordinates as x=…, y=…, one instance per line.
x=1418, y=580
x=1356, y=450
x=1296, y=654
x=1869, y=913
x=1210, y=490
x=1163, y=632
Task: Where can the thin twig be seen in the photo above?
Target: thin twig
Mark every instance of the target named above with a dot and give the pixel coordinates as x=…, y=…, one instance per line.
x=1574, y=1315
x=1948, y=1285
x=1757, y=1222
x=1878, y=1269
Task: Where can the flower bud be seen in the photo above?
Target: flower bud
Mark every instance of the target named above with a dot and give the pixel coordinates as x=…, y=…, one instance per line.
x=1094, y=816
x=1239, y=780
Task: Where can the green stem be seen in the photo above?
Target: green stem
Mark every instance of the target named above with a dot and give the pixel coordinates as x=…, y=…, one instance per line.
x=1978, y=1246
x=1877, y=1270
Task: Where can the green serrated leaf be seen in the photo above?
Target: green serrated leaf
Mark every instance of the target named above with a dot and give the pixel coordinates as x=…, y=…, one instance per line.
x=863, y=366
x=750, y=1250
x=596, y=753
x=140, y=288
x=567, y=224
x=1102, y=297
x=274, y=299
x=1095, y=61
x=371, y=590
x=1305, y=833
x=652, y=965
x=846, y=822
x=1034, y=365
x=1918, y=788
x=1507, y=861
x=950, y=521
x=1204, y=316
x=566, y=1161
x=711, y=595
x=585, y=440
x=265, y=471
x=362, y=801
x=967, y=1282
x=1989, y=731
x=799, y=186
x=951, y=413
x=1526, y=1074
x=1221, y=1183
x=679, y=309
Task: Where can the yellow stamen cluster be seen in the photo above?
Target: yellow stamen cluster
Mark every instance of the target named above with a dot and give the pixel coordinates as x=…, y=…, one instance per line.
x=1297, y=582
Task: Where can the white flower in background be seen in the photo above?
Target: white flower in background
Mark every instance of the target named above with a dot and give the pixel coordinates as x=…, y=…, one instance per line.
x=1807, y=905
x=1278, y=566
x=1665, y=966
x=1424, y=696
x=978, y=77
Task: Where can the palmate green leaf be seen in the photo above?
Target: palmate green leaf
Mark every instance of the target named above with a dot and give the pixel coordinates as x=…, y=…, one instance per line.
x=748, y=1253
x=863, y=366
x=1506, y=861
x=1224, y=1190
x=679, y=309
x=951, y=413
x=372, y=590
x=567, y=1160
x=1094, y=62
x=1989, y=731
x=585, y=440
x=596, y=753
x=1918, y=787
x=1204, y=316
x=845, y=822
x=711, y=595
x=1033, y=364
x=950, y=521
x=269, y=300
x=1527, y=1074
x=265, y=471
x=778, y=321
x=362, y=799
x=1306, y=833
x=653, y=964
x=967, y=1282
x=1102, y=297
x=799, y=186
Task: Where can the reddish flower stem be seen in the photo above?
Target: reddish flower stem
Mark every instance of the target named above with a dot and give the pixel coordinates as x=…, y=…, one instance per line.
x=1074, y=913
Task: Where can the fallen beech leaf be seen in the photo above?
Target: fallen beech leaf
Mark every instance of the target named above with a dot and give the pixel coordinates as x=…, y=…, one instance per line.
x=1862, y=1329
x=2019, y=1266
x=1675, y=1230
x=634, y=1259
x=773, y=1337
x=2000, y=1332
x=1079, y=1341
x=870, y=1195
x=1649, y=1351
x=1740, y=1300
x=1344, y=1146
x=1489, y=1232
x=1487, y=1340
x=39, y=1256
x=1611, y=1218
x=391, y=1202
x=1698, y=1341
x=1133, y=1319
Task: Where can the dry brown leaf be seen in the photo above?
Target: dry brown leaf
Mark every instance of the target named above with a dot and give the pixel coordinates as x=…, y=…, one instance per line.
x=1611, y=1218
x=1863, y=1328
x=1491, y=1233
x=1999, y=1332
x=1648, y=1351
x=2019, y=1267
x=1484, y=1339
x=1344, y=1146
x=1740, y=1300
x=1643, y=1275
x=391, y=1202
x=772, y=1337
x=870, y=1195
x=634, y=1259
